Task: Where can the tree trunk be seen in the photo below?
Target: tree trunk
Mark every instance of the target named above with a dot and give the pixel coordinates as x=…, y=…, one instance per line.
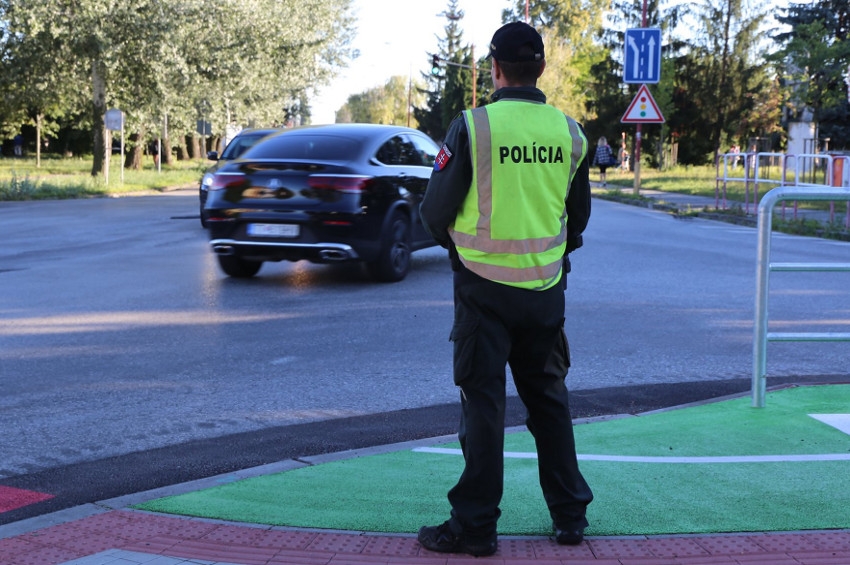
x=133, y=158
x=197, y=150
x=98, y=111
x=182, y=150
x=167, y=156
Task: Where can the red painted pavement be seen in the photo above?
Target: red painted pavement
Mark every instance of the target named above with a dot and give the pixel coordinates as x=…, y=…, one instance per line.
x=12, y=498
x=216, y=542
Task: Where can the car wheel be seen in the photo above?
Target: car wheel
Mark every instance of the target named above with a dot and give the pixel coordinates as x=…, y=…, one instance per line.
x=204, y=217
x=393, y=262
x=237, y=267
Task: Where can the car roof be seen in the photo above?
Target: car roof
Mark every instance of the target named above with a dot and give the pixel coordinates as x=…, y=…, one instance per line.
x=367, y=137
x=257, y=131
x=361, y=130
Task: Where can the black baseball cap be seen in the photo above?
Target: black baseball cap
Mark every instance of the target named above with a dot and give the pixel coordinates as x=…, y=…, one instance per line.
x=508, y=41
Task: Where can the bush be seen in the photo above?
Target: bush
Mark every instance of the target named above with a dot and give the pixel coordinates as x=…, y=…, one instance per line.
x=18, y=189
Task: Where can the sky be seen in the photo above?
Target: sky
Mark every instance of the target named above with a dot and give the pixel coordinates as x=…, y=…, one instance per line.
x=394, y=38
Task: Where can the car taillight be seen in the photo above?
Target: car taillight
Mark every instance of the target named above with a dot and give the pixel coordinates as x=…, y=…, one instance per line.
x=223, y=181
x=353, y=184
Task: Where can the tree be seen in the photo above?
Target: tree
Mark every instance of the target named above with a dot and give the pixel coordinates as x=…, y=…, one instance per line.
x=156, y=57
x=38, y=92
x=814, y=60
x=565, y=79
x=387, y=104
x=447, y=88
x=726, y=42
x=576, y=22
x=763, y=115
x=457, y=94
x=570, y=30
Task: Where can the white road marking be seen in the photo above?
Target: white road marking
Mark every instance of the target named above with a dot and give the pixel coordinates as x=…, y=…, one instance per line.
x=840, y=422
x=691, y=460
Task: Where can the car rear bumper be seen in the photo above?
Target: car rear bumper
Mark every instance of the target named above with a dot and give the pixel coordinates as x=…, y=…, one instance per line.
x=321, y=252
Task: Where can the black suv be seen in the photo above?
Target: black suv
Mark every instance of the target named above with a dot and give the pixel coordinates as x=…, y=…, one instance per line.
x=342, y=192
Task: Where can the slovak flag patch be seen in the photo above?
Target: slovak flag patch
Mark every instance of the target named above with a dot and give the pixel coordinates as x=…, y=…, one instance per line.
x=442, y=158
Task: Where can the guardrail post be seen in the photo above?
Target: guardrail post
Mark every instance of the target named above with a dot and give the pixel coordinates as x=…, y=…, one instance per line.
x=765, y=222
x=763, y=268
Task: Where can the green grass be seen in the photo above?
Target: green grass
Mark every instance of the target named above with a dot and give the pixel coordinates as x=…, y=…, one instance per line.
x=687, y=180
x=702, y=181
x=61, y=178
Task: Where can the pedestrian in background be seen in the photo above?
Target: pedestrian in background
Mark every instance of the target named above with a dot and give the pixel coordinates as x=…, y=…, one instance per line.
x=623, y=158
x=153, y=149
x=603, y=158
x=735, y=150
x=509, y=237
x=19, y=145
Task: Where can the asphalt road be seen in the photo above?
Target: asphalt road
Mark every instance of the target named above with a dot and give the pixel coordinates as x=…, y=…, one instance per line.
x=129, y=361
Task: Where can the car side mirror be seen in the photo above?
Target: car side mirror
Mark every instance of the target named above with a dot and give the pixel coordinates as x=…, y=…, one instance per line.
x=212, y=155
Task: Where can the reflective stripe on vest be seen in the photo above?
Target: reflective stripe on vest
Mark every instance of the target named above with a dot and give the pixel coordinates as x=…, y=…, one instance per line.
x=505, y=230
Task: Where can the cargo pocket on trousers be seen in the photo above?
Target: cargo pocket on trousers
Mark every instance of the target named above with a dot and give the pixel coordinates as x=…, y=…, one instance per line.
x=464, y=339
x=559, y=358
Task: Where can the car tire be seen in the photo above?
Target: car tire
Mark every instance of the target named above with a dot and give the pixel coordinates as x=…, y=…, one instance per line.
x=237, y=267
x=393, y=262
x=204, y=218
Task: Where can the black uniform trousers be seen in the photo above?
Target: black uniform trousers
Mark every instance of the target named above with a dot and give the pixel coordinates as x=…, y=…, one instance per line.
x=497, y=325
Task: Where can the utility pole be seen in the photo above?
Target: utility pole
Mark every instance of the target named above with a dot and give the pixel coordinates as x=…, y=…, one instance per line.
x=474, y=80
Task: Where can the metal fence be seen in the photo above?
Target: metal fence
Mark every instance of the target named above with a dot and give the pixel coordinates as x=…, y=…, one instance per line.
x=765, y=266
x=758, y=174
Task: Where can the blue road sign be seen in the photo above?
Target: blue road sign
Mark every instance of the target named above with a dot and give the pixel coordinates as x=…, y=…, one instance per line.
x=642, y=61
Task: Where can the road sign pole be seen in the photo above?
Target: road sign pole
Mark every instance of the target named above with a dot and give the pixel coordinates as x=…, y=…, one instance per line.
x=637, y=160
x=638, y=139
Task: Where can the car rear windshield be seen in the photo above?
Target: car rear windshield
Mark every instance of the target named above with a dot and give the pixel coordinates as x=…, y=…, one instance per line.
x=306, y=147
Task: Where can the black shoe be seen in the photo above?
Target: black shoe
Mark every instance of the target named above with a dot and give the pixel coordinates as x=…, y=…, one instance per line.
x=443, y=540
x=571, y=536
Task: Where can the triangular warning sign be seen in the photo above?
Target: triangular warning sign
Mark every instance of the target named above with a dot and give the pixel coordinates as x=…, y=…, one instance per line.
x=643, y=109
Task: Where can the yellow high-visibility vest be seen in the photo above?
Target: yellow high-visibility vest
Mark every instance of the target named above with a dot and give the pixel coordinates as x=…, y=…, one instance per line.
x=512, y=226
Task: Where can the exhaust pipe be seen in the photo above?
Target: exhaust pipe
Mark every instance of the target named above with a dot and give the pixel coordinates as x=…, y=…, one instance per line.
x=334, y=255
x=222, y=249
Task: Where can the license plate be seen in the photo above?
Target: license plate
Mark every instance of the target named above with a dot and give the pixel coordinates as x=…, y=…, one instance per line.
x=273, y=230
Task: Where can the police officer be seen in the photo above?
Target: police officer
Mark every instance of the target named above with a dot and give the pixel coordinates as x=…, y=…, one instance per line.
x=510, y=197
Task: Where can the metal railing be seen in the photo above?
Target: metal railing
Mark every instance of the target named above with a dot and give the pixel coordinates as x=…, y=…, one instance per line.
x=764, y=267
x=809, y=170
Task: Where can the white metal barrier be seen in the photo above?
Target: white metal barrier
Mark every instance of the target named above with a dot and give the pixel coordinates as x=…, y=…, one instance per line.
x=763, y=268
x=811, y=170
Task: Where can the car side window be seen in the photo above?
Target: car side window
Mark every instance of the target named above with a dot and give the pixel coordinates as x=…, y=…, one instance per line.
x=426, y=151
x=390, y=152
x=409, y=154
x=408, y=149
